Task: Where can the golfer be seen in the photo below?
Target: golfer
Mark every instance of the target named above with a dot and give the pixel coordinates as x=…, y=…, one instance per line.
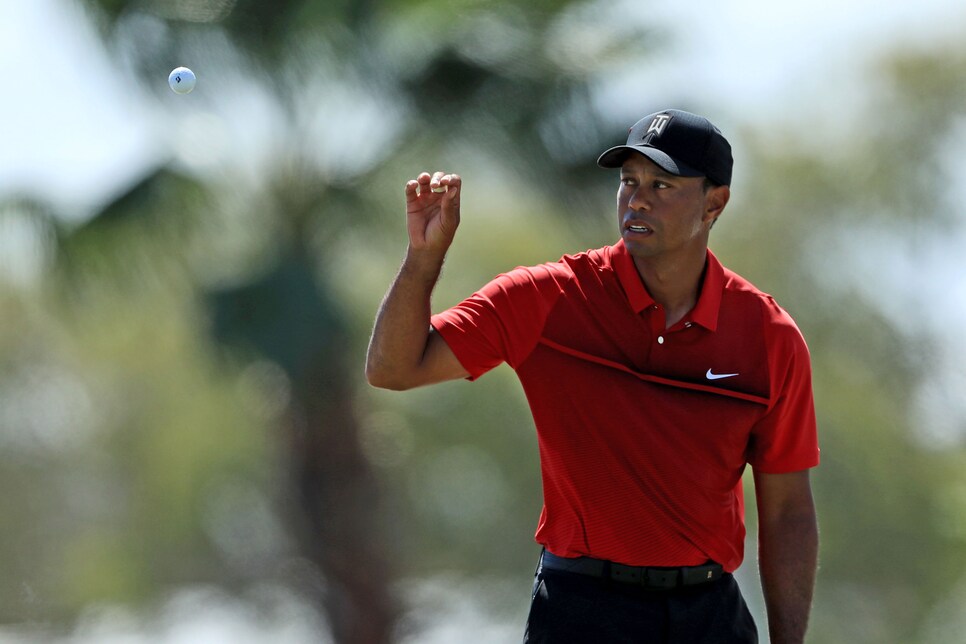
x=654, y=375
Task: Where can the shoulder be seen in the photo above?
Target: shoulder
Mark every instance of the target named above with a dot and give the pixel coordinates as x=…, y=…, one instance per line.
x=545, y=282
x=569, y=268
x=778, y=324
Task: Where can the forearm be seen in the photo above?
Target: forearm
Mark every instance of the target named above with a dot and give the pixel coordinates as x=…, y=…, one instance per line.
x=400, y=333
x=788, y=560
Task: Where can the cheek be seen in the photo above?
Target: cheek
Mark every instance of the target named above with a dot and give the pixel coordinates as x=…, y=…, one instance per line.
x=699, y=225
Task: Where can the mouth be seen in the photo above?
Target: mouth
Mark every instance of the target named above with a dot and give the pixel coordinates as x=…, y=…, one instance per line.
x=637, y=229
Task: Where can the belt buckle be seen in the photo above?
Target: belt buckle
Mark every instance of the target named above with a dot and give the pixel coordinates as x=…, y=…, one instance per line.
x=700, y=574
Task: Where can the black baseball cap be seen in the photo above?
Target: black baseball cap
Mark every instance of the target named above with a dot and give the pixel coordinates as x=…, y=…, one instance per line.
x=682, y=143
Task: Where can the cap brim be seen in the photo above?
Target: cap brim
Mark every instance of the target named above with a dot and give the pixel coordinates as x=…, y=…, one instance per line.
x=614, y=158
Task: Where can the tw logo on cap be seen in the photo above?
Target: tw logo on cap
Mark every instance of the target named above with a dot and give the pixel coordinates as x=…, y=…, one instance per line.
x=658, y=124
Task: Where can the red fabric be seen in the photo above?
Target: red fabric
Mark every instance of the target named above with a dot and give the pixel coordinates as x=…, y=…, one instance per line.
x=641, y=453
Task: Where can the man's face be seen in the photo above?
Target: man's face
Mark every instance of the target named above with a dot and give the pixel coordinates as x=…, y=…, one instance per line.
x=663, y=215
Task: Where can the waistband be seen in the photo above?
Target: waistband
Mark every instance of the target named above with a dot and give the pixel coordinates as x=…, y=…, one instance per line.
x=649, y=577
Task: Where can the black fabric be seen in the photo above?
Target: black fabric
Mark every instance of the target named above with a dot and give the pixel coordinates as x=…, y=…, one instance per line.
x=682, y=143
x=568, y=608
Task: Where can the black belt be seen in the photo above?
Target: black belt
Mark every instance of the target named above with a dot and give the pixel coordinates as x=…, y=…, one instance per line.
x=652, y=578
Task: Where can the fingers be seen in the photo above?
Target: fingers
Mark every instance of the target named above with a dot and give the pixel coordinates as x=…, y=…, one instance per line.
x=449, y=184
x=412, y=190
x=438, y=182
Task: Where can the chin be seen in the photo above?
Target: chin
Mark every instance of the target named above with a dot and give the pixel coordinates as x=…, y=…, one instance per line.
x=639, y=248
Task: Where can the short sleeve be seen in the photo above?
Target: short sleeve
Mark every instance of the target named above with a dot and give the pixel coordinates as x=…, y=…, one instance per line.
x=786, y=438
x=503, y=321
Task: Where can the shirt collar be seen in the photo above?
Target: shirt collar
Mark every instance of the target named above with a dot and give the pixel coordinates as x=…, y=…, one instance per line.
x=705, y=312
x=630, y=279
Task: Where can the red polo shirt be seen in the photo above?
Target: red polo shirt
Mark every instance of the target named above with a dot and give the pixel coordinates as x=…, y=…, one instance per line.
x=644, y=432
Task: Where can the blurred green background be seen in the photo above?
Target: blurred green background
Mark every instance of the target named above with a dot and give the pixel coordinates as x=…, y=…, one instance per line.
x=188, y=449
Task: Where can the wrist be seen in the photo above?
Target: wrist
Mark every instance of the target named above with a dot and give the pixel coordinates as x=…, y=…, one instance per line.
x=422, y=263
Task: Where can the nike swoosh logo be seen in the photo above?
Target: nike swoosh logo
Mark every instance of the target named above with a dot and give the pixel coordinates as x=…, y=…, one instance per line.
x=718, y=376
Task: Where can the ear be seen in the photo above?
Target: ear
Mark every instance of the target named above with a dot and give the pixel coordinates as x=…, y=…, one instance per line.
x=715, y=202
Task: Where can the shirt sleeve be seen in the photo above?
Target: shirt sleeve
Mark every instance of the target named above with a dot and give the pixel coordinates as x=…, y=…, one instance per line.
x=786, y=438
x=503, y=321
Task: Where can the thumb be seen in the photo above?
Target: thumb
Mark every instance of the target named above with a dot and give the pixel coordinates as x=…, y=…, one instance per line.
x=450, y=207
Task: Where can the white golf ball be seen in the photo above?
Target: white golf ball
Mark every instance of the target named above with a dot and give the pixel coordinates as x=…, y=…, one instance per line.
x=181, y=80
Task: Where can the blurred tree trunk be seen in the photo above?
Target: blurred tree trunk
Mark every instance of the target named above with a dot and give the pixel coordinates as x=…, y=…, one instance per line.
x=337, y=515
x=333, y=496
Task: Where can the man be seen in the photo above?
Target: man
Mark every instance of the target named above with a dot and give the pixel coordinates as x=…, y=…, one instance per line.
x=654, y=376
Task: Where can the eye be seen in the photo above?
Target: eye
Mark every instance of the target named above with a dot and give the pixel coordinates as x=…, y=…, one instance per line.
x=628, y=181
x=661, y=185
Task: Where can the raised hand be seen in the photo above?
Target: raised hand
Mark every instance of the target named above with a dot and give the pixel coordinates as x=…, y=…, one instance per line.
x=433, y=211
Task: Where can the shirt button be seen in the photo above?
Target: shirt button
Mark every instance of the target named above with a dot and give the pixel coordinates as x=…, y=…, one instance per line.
x=687, y=325
x=660, y=339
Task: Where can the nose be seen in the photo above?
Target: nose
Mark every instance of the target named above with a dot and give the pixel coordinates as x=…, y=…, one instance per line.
x=639, y=199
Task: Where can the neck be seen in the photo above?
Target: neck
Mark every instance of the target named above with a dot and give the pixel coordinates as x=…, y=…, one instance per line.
x=675, y=286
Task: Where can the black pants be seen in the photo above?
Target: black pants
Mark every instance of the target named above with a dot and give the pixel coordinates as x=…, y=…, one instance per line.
x=568, y=608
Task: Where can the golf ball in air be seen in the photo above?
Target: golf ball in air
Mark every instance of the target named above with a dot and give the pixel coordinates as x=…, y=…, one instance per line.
x=181, y=80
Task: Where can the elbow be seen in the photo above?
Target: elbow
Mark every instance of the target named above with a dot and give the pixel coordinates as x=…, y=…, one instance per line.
x=381, y=378
x=376, y=378
x=381, y=382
